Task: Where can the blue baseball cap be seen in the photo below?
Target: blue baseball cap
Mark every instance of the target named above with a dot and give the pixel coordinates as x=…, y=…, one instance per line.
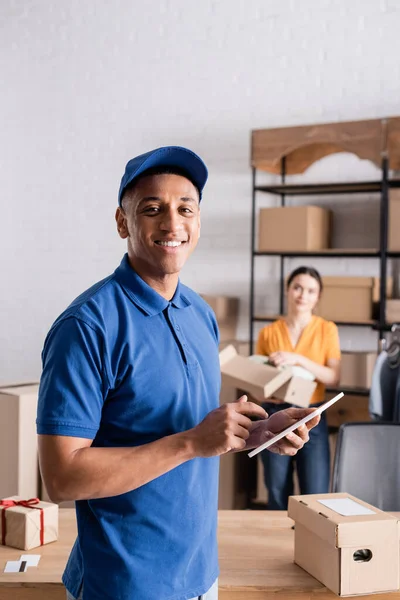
x=168, y=156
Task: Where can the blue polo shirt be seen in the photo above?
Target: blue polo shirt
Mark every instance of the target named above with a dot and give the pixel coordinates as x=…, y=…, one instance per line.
x=123, y=366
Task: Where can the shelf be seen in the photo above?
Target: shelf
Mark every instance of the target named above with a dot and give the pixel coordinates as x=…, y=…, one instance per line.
x=370, y=323
x=328, y=253
x=349, y=391
x=358, y=187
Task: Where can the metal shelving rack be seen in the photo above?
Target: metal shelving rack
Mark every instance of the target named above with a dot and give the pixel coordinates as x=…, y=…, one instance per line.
x=382, y=254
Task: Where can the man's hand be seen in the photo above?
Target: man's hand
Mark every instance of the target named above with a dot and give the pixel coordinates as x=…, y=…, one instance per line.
x=263, y=431
x=226, y=428
x=280, y=359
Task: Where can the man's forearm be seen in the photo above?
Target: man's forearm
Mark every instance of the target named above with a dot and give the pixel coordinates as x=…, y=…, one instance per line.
x=92, y=472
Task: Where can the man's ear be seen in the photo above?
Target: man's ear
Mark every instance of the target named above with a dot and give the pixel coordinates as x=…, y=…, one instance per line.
x=122, y=226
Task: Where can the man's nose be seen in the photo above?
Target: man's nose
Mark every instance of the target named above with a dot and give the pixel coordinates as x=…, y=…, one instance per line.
x=171, y=221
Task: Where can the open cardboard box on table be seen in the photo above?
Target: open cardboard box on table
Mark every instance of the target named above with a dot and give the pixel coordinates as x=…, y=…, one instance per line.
x=264, y=382
x=350, y=546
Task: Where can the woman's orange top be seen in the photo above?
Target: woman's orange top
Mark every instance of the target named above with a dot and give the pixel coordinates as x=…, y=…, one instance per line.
x=319, y=341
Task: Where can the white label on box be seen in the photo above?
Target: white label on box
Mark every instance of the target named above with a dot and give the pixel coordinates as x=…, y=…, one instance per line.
x=347, y=507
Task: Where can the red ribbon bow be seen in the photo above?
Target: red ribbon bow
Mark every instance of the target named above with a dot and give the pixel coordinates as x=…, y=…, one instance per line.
x=8, y=503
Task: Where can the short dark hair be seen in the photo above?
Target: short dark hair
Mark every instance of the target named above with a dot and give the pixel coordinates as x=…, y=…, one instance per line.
x=305, y=271
x=158, y=171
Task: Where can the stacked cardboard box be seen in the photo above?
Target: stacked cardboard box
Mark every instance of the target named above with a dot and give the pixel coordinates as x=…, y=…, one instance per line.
x=394, y=221
x=294, y=229
x=349, y=409
x=18, y=442
x=393, y=311
x=356, y=369
x=233, y=473
x=350, y=299
x=226, y=311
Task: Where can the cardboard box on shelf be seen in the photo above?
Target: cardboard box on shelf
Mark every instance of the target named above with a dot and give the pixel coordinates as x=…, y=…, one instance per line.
x=346, y=299
x=226, y=309
x=376, y=292
x=348, y=410
x=27, y=523
x=264, y=381
x=293, y=229
x=394, y=221
x=356, y=369
x=393, y=311
x=18, y=441
x=337, y=535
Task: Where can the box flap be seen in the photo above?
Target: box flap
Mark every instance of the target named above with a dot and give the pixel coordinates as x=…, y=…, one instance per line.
x=341, y=530
x=254, y=378
x=297, y=391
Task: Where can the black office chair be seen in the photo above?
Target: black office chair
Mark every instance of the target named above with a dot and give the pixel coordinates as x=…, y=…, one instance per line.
x=367, y=463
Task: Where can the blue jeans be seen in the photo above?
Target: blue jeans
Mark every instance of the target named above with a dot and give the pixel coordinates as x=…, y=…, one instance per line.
x=212, y=594
x=312, y=465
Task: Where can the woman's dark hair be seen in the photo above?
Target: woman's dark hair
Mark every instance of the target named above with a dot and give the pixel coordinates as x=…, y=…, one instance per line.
x=305, y=271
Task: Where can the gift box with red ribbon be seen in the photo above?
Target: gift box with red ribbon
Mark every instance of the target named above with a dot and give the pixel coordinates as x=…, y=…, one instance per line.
x=27, y=524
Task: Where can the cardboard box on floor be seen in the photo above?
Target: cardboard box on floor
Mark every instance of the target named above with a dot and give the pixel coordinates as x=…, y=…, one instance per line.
x=264, y=381
x=352, y=549
x=18, y=441
x=350, y=298
x=293, y=229
x=356, y=369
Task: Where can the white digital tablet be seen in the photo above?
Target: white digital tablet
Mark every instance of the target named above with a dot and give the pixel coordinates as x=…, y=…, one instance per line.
x=283, y=433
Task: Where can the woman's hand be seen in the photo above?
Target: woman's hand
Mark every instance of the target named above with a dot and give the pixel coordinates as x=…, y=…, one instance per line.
x=280, y=358
x=262, y=431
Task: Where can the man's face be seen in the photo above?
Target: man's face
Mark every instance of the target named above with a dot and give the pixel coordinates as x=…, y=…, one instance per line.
x=161, y=221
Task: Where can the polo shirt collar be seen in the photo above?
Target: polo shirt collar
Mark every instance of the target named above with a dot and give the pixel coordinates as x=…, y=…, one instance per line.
x=143, y=295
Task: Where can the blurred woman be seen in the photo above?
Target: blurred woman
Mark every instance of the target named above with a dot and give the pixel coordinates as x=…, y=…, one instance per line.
x=303, y=339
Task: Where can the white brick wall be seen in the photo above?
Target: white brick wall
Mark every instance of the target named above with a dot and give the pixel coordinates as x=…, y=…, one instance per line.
x=87, y=85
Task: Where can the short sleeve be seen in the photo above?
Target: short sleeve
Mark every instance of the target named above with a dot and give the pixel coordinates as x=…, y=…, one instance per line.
x=74, y=383
x=332, y=343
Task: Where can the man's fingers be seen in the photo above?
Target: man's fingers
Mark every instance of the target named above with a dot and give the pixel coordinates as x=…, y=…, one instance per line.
x=302, y=432
x=241, y=432
x=299, y=413
x=243, y=399
x=313, y=422
x=251, y=409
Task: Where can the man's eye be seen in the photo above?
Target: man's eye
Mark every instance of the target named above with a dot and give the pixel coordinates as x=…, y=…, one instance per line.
x=151, y=210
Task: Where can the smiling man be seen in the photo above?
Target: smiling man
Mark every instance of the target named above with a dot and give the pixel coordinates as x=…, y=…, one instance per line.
x=129, y=421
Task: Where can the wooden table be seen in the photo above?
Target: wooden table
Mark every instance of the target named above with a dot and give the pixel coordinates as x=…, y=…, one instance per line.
x=256, y=559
